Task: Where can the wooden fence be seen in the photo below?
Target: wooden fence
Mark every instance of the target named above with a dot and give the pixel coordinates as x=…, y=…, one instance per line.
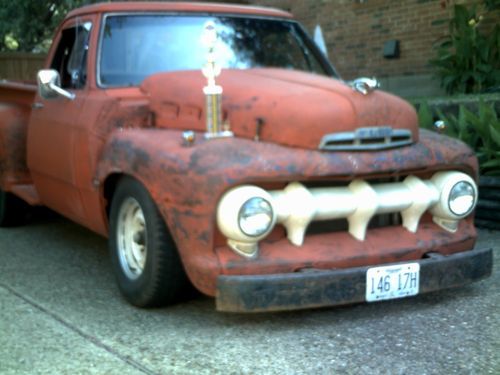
x=20, y=66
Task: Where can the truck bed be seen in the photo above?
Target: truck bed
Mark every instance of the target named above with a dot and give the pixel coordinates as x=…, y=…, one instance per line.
x=15, y=92
x=16, y=99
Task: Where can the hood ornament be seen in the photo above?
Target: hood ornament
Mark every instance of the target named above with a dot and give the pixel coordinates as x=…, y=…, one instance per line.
x=440, y=126
x=212, y=91
x=364, y=85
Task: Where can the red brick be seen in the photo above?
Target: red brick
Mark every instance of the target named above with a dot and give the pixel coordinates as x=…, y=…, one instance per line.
x=418, y=25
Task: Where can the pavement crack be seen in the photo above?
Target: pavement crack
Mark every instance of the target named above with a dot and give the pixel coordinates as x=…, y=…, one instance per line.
x=94, y=340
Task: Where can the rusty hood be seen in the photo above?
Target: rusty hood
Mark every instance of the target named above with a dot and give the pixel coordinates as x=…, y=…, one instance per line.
x=281, y=106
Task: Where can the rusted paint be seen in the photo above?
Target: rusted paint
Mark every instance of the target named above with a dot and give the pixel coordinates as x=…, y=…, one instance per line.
x=21, y=93
x=15, y=106
x=340, y=250
x=13, y=167
x=187, y=183
x=298, y=108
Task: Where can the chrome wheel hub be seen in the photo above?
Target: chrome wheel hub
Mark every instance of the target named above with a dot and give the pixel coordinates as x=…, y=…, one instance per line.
x=131, y=238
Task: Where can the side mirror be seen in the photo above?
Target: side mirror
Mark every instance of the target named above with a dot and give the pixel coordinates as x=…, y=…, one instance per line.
x=49, y=84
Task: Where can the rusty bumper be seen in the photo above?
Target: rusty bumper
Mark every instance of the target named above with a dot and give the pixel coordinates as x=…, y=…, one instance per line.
x=318, y=288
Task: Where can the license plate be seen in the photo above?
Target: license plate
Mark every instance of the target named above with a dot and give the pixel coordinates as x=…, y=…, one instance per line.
x=390, y=282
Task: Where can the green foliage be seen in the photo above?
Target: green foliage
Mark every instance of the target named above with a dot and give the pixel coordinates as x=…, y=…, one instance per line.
x=481, y=131
x=468, y=61
x=492, y=4
x=28, y=25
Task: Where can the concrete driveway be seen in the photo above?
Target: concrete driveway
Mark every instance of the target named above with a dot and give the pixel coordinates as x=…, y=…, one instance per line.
x=60, y=313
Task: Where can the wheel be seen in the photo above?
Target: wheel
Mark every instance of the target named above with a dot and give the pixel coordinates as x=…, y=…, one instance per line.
x=12, y=209
x=144, y=257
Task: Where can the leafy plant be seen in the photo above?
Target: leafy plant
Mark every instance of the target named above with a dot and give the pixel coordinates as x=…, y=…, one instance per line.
x=468, y=61
x=492, y=4
x=28, y=25
x=480, y=131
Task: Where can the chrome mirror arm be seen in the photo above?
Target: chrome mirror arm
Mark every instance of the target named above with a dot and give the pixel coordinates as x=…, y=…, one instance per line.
x=62, y=92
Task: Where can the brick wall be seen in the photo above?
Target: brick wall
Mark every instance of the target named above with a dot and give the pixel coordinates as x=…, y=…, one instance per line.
x=356, y=30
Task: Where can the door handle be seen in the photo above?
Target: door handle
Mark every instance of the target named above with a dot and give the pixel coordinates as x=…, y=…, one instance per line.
x=37, y=105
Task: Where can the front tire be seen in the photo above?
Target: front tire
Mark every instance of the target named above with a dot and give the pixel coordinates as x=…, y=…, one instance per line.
x=144, y=257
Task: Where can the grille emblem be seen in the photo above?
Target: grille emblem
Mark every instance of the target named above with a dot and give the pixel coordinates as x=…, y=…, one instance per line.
x=369, y=138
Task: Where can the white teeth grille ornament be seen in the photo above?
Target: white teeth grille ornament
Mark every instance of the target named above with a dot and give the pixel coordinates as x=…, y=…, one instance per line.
x=358, y=203
x=296, y=206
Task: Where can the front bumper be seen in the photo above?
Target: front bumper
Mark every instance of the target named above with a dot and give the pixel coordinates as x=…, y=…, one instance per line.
x=318, y=288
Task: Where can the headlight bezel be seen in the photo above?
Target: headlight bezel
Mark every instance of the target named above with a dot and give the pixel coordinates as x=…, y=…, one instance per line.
x=228, y=219
x=270, y=216
x=444, y=183
x=472, y=204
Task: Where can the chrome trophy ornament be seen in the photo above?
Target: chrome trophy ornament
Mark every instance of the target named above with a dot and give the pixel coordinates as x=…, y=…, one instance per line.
x=212, y=91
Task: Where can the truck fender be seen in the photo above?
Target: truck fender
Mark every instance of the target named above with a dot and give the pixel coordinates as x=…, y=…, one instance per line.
x=161, y=165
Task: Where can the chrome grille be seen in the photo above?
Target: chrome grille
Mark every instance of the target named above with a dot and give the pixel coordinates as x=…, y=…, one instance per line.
x=370, y=138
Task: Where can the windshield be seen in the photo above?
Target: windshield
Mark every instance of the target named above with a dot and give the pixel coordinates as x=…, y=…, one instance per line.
x=136, y=46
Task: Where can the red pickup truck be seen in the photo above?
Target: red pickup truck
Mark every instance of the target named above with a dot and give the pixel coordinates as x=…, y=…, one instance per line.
x=216, y=145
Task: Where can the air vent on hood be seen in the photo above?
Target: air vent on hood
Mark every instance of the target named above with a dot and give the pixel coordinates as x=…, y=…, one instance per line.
x=370, y=138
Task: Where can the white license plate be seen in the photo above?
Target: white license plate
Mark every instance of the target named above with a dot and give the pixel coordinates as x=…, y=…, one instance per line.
x=390, y=282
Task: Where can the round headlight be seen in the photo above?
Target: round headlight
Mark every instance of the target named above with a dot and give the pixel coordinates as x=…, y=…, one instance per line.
x=255, y=217
x=462, y=198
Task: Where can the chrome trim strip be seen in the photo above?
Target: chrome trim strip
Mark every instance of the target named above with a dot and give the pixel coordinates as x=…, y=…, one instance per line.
x=369, y=138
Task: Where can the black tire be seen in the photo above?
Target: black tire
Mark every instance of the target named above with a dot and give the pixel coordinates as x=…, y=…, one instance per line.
x=156, y=276
x=12, y=210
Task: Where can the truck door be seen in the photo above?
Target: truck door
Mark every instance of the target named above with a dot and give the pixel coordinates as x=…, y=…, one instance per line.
x=54, y=127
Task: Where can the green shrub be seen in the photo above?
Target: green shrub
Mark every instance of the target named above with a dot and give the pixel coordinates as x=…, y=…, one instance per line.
x=468, y=61
x=491, y=4
x=481, y=131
